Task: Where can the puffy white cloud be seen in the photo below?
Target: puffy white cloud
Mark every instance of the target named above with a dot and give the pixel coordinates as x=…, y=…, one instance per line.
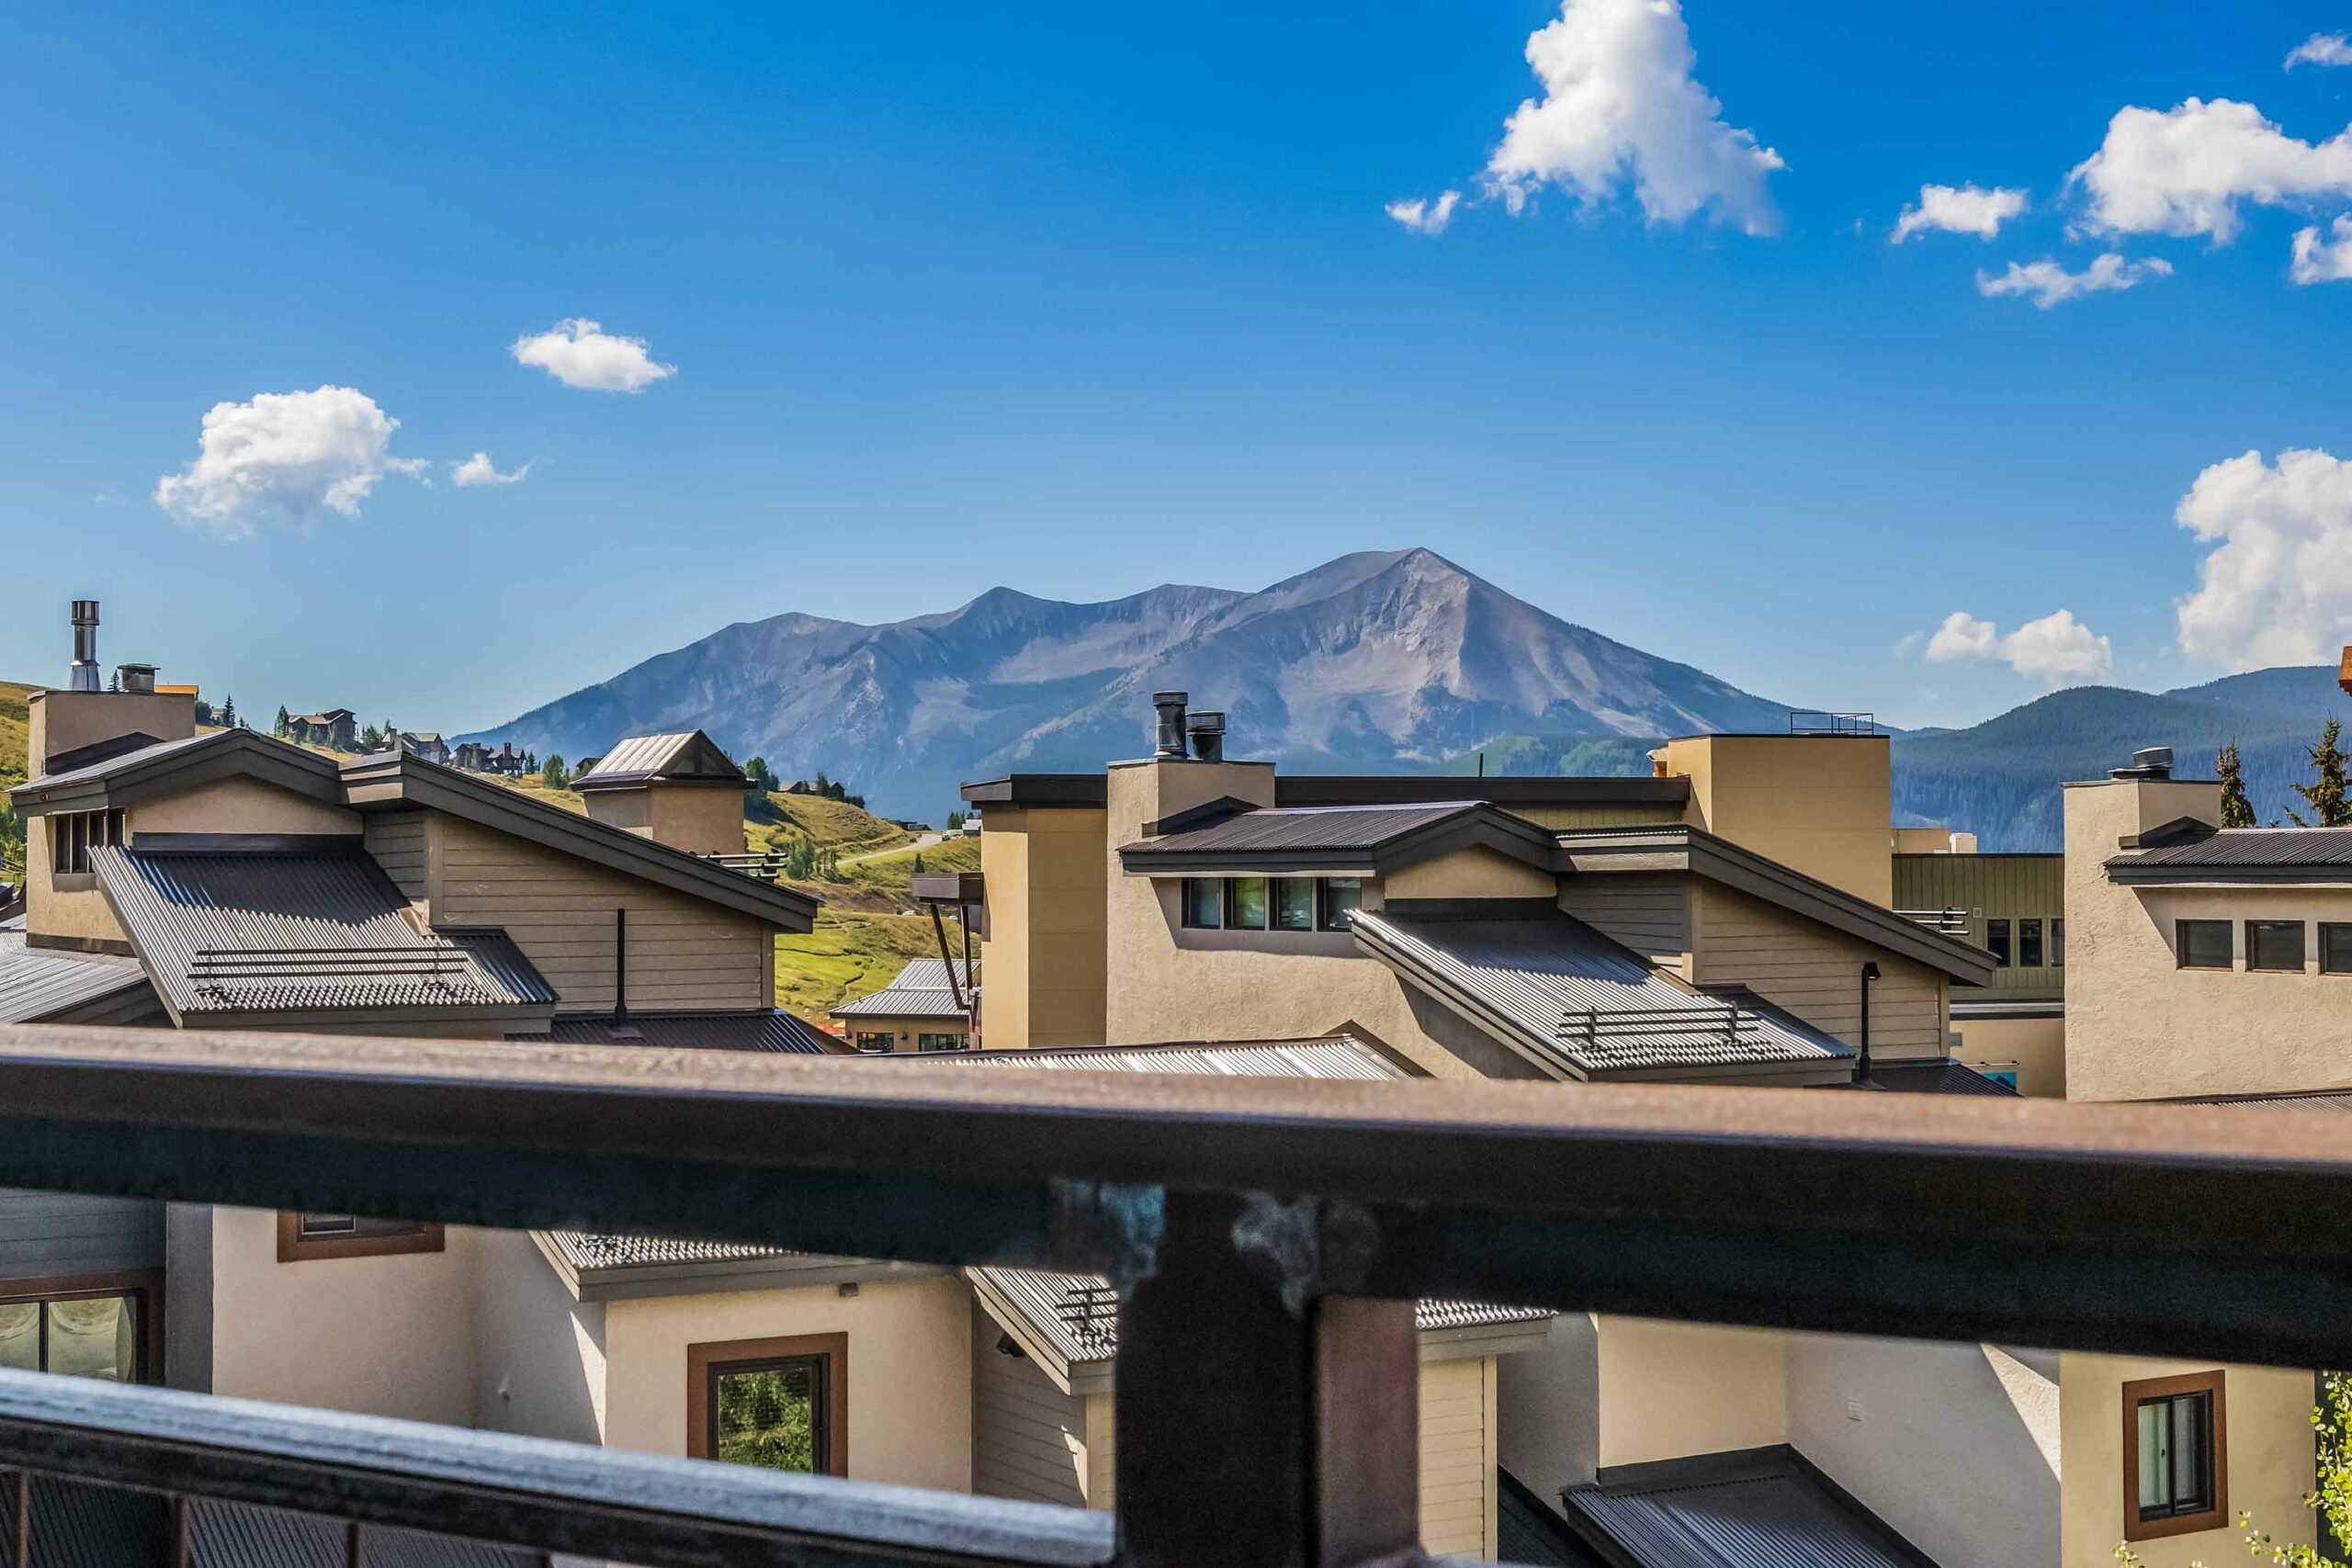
x=1425, y=216
x=2277, y=588
x=287, y=452
x=2057, y=649
x=579, y=353
x=2051, y=283
x=1619, y=105
x=2320, y=49
x=2323, y=261
x=1959, y=209
x=478, y=469
x=2184, y=169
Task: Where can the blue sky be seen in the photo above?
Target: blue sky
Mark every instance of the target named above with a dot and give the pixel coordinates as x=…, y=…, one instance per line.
x=1081, y=298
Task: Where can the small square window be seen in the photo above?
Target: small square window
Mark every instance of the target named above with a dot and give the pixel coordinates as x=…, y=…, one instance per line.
x=1245, y=903
x=2202, y=944
x=2334, y=948
x=1204, y=903
x=2275, y=944
x=2028, y=945
x=1996, y=940
x=2175, y=1451
x=1295, y=903
x=1342, y=897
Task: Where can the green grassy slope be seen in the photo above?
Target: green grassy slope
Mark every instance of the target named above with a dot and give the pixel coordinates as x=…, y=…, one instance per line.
x=14, y=719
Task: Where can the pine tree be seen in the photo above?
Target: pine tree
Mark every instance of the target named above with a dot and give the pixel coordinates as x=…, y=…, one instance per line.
x=2326, y=793
x=285, y=722
x=229, y=714
x=2236, y=811
x=553, y=775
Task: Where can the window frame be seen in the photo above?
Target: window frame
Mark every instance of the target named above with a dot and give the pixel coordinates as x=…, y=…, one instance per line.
x=2345, y=927
x=2180, y=945
x=145, y=1285
x=2145, y=1390
x=71, y=839
x=2030, y=953
x=1185, y=903
x=1274, y=887
x=2004, y=950
x=293, y=1246
x=2057, y=943
x=924, y=1043
x=1323, y=885
x=706, y=1362
x=2301, y=931
x=1233, y=896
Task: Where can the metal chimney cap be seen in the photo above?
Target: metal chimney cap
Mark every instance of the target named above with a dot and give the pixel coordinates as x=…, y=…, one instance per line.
x=85, y=611
x=1171, y=699
x=1207, y=721
x=2152, y=757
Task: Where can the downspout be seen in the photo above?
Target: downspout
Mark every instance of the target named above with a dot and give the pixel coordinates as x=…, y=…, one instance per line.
x=622, y=1028
x=1862, y=1057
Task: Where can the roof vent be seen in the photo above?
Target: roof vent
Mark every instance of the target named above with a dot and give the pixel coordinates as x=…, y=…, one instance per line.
x=136, y=677
x=2147, y=763
x=86, y=645
x=1207, y=730
x=1170, y=707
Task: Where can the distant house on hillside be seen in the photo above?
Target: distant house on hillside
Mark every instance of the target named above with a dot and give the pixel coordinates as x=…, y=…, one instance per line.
x=334, y=729
x=427, y=744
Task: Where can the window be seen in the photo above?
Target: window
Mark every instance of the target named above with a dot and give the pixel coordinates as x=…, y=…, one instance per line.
x=1245, y=903
x=2058, y=943
x=2028, y=945
x=2202, y=944
x=2334, y=948
x=873, y=1041
x=2176, y=1456
x=303, y=1238
x=775, y=1403
x=1294, y=905
x=1204, y=903
x=943, y=1042
x=1997, y=938
x=1999, y=1075
x=1342, y=896
x=2275, y=944
x=92, y=1326
x=73, y=836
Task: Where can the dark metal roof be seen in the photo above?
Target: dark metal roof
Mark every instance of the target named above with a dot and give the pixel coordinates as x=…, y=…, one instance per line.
x=687, y=757
x=1760, y=1508
x=1567, y=995
x=1946, y=1077
x=2242, y=854
x=1376, y=839
x=919, y=990
x=2313, y=1100
x=171, y=766
x=235, y=934
x=1394, y=789
x=1532, y=1534
x=39, y=983
x=1041, y=792
x=773, y=1031
x=1303, y=828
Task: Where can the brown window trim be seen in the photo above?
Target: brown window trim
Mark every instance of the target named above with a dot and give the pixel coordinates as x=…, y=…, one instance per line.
x=834, y=1348
x=292, y=1247
x=146, y=1283
x=2215, y=1517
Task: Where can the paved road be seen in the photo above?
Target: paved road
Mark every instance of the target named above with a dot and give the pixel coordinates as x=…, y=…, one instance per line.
x=923, y=843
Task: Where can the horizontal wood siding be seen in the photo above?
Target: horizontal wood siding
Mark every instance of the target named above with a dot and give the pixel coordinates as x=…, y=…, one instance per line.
x=1994, y=887
x=1457, y=1459
x=1815, y=972
x=46, y=1234
x=683, y=952
x=1028, y=1437
x=396, y=841
x=1649, y=914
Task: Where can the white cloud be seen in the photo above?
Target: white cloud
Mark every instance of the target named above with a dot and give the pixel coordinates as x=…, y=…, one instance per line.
x=2320, y=49
x=579, y=353
x=2051, y=283
x=2323, y=261
x=2184, y=169
x=1959, y=209
x=478, y=469
x=1619, y=105
x=2277, y=588
x=287, y=452
x=2057, y=649
x=1423, y=216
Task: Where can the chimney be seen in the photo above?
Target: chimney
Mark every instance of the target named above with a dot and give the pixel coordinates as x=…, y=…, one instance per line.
x=86, y=646
x=1170, y=707
x=136, y=678
x=2150, y=762
x=1207, y=731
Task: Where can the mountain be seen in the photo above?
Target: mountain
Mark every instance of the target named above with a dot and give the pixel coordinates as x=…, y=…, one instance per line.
x=2000, y=779
x=1378, y=661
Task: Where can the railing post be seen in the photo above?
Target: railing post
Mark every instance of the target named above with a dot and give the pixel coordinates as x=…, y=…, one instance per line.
x=1249, y=1434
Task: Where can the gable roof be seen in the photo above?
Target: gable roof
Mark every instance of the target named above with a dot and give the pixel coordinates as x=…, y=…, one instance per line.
x=686, y=757
x=170, y=767
x=1680, y=847
x=390, y=780
x=2199, y=854
x=919, y=990
x=1752, y=1509
x=1580, y=1005
x=1374, y=839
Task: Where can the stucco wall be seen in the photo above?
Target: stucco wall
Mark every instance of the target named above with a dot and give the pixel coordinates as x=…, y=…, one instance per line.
x=2270, y=1458
x=1548, y=1408
x=1043, y=952
x=1474, y=873
x=390, y=1336
x=1818, y=803
x=540, y=1363
x=1669, y=1390
x=910, y=1369
x=2035, y=1048
x=67, y=721
x=239, y=805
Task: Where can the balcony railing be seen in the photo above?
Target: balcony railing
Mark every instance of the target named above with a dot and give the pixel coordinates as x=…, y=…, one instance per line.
x=1276, y=1232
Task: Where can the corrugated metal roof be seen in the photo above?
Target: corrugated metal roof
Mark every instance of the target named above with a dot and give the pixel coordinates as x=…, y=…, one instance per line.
x=300, y=932
x=1598, y=1006
x=2252, y=847
x=1334, y=1059
x=1936, y=1078
x=129, y=760
x=2325, y=1100
x=36, y=983
x=919, y=990
x=1753, y=1510
x=636, y=759
x=1326, y=828
x=774, y=1030
x=583, y=1250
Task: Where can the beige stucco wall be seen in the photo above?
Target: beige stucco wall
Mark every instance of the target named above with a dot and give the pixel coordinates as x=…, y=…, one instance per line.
x=2140, y=1027
x=1042, y=954
x=698, y=819
x=1819, y=804
x=1474, y=873
x=910, y=1369
x=239, y=805
x=67, y=910
x=2270, y=1458
x=540, y=1361
x=67, y=721
x=906, y=1034
x=1815, y=972
x=391, y=1335
x=1669, y=1390
x=2035, y=1048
